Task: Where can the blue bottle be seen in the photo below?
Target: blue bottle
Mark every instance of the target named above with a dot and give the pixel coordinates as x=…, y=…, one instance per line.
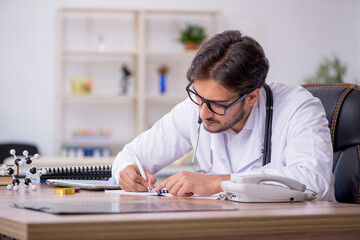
x=162, y=83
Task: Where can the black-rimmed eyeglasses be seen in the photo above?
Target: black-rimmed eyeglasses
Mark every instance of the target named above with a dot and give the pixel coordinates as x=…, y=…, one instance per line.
x=215, y=107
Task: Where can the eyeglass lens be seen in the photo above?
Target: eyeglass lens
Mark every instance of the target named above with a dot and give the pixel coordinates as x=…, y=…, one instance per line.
x=216, y=108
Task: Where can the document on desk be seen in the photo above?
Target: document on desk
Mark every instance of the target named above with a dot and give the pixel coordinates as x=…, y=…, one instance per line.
x=153, y=193
x=123, y=192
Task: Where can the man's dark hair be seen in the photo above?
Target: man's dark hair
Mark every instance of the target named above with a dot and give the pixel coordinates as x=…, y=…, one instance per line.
x=236, y=62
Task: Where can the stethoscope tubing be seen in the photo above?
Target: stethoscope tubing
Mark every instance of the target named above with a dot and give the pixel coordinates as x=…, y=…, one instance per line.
x=267, y=138
x=200, y=170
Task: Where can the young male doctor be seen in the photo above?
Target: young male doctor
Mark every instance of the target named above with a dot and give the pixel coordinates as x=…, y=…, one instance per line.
x=227, y=97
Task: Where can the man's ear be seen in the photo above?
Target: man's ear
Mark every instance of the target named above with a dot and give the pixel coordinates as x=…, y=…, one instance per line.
x=253, y=97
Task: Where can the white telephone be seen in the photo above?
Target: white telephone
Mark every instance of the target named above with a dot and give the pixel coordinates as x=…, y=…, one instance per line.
x=258, y=188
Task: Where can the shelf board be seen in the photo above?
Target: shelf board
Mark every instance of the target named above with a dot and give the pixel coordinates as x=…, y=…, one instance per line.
x=184, y=12
x=177, y=54
x=95, y=54
x=166, y=98
x=92, y=142
x=96, y=10
x=70, y=98
x=133, y=11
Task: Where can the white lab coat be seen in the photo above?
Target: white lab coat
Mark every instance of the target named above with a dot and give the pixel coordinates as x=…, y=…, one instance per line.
x=301, y=145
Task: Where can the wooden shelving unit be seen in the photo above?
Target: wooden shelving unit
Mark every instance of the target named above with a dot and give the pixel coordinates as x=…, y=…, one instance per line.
x=95, y=44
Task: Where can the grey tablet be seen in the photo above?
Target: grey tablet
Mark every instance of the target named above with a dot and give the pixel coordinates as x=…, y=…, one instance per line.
x=135, y=206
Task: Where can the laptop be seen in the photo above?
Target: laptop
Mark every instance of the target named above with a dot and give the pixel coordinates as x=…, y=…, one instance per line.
x=84, y=184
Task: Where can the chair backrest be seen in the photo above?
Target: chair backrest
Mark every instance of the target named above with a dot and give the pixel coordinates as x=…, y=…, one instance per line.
x=19, y=148
x=342, y=105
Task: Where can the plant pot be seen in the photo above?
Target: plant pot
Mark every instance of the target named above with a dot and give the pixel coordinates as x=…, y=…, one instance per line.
x=191, y=45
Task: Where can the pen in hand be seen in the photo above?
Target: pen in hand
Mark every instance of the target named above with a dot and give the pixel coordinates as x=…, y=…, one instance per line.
x=141, y=169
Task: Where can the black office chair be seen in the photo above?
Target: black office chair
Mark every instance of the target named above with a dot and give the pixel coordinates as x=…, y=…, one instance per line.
x=19, y=148
x=342, y=105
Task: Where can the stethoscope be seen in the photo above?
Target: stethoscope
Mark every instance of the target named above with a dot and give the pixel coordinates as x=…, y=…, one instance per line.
x=200, y=170
x=267, y=138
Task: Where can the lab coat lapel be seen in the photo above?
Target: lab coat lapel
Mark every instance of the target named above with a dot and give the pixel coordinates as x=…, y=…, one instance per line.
x=247, y=147
x=248, y=151
x=220, y=155
x=249, y=142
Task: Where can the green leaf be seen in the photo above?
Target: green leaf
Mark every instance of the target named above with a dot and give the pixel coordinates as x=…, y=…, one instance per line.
x=193, y=33
x=329, y=71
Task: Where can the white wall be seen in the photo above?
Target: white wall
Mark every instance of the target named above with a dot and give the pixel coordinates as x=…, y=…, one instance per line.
x=295, y=34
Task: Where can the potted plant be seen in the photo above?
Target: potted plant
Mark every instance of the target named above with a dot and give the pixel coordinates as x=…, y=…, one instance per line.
x=192, y=36
x=329, y=71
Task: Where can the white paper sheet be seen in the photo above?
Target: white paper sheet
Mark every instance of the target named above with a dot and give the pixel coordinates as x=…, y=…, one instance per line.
x=123, y=192
x=152, y=193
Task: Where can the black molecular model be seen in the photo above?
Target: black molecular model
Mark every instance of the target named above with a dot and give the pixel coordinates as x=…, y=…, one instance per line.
x=30, y=176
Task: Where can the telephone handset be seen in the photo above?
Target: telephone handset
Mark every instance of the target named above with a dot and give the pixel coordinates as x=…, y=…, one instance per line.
x=264, y=188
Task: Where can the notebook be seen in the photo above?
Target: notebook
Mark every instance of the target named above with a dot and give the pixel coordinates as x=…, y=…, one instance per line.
x=82, y=172
x=84, y=184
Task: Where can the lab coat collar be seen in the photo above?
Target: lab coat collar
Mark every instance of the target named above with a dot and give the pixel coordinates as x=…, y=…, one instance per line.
x=217, y=146
x=251, y=122
x=250, y=141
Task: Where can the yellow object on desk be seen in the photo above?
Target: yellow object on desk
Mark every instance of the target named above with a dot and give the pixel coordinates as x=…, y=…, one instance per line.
x=64, y=191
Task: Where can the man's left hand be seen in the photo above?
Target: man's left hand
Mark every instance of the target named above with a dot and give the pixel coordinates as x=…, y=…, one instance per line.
x=186, y=184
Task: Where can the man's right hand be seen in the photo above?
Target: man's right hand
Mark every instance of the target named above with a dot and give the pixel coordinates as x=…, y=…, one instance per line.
x=131, y=180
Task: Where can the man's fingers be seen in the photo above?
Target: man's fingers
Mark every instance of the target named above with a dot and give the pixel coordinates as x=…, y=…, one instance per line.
x=165, y=182
x=151, y=179
x=131, y=181
x=127, y=183
x=151, y=182
x=181, y=186
x=174, y=187
x=174, y=184
x=184, y=191
x=162, y=185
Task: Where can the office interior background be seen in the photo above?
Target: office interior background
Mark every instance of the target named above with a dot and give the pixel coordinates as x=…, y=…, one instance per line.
x=297, y=36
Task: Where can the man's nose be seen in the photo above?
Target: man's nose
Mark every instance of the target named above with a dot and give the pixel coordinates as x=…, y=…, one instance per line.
x=205, y=112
